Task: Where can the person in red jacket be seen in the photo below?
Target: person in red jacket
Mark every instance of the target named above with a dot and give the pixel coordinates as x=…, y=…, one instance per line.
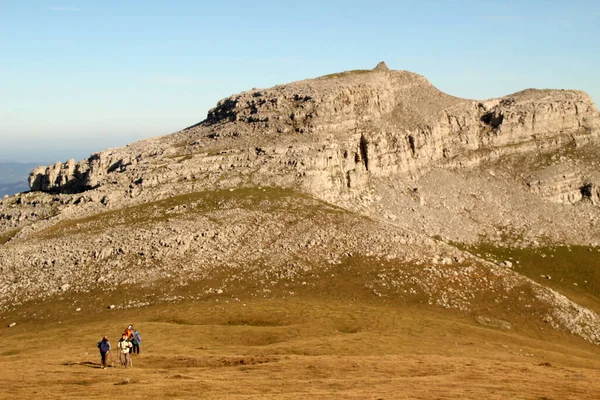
x=129, y=332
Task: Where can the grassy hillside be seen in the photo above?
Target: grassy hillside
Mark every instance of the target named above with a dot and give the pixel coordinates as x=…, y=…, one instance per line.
x=274, y=313
x=573, y=271
x=291, y=348
x=336, y=339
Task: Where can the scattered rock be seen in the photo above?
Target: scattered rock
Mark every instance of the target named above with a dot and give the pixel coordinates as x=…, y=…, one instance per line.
x=493, y=322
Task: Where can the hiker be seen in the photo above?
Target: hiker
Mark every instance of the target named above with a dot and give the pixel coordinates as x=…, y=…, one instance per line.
x=124, y=346
x=129, y=332
x=136, y=340
x=134, y=337
x=104, y=346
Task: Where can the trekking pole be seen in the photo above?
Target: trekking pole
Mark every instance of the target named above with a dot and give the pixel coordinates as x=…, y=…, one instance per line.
x=130, y=354
x=112, y=364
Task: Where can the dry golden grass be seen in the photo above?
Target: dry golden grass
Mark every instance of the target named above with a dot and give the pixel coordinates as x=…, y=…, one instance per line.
x=292, y=348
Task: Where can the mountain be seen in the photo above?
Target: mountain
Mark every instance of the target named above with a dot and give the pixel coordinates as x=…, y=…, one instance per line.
x=11, y=172
x=14, y=176
x=9, y=189
x=362, y=184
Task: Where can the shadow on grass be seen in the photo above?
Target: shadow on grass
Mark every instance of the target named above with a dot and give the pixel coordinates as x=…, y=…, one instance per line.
x=87, y=364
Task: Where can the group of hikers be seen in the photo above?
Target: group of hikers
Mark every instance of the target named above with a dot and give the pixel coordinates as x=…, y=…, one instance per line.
x=129, y=344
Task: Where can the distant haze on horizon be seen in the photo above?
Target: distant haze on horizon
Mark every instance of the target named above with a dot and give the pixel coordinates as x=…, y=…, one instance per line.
x=78, y=77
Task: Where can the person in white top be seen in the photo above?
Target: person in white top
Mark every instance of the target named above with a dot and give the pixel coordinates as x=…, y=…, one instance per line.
x=124, y=345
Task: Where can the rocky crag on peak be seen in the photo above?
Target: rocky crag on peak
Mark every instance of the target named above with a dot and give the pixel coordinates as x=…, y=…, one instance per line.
x=378, y=163
x=332, y=135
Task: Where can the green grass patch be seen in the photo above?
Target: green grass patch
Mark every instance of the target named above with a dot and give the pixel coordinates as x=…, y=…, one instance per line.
x=573, y=271
x=346, y=74
x=6, y=236
x=249, y=198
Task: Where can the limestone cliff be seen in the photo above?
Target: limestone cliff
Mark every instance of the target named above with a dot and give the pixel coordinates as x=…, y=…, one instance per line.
x=331, y=135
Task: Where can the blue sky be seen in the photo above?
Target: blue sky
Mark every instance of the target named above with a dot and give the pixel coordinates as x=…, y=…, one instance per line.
x=81, y=76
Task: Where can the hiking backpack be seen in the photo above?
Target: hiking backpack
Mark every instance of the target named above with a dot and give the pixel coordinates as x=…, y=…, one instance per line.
x=137, y=337
x=104, y=346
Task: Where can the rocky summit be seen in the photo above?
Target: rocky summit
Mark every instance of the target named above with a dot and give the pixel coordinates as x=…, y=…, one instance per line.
x=374, y=174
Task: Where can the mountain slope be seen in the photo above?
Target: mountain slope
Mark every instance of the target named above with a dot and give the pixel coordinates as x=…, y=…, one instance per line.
x=372, y=182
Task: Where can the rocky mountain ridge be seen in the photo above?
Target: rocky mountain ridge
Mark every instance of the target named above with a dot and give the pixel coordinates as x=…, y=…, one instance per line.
x=282, y=184
x=336, y=137
x=330, y=136
x=335, y=132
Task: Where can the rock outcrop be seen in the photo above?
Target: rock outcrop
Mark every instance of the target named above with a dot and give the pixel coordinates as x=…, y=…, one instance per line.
x=346, y=138
x=332, y=135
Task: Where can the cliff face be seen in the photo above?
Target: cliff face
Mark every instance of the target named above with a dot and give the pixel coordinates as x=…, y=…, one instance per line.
x=332, y=135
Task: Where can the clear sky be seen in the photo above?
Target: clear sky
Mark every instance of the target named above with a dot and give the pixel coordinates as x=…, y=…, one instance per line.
x=81, y=76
